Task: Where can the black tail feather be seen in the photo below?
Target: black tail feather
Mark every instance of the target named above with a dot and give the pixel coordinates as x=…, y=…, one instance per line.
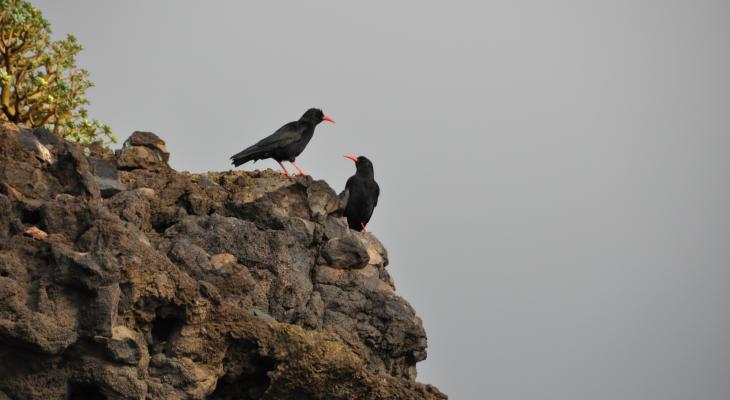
x=251, y=153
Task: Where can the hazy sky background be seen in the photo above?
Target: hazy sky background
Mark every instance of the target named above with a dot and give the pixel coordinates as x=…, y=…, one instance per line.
x=555, y=175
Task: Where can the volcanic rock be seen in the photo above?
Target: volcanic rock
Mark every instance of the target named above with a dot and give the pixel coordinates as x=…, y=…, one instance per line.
x=121, y=278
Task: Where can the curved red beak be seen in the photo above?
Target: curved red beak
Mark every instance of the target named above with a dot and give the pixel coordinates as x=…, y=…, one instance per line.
x=326, y=118
x=351, y=157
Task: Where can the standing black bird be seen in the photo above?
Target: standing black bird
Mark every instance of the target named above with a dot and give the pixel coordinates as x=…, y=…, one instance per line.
x=286, y=143
x=361, y=194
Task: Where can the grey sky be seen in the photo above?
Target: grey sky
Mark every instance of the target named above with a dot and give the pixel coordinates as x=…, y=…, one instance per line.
x=555, y=175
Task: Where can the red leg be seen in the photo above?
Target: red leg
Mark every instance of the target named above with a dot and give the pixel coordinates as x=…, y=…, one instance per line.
x=363, y=227
x=284, y=171
x=301, y=173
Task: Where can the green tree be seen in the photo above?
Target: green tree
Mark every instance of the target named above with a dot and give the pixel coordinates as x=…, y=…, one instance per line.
x=40, y=83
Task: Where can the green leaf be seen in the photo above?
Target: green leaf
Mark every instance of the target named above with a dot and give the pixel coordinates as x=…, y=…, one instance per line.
x=45, y=75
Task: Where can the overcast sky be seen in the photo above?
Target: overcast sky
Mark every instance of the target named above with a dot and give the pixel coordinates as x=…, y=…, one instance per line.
x=555, y=175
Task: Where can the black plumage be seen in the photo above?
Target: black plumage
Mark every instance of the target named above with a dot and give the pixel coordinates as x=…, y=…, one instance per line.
x=361, y=194
x=286, y=143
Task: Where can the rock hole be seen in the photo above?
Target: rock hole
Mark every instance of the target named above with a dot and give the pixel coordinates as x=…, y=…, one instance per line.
x=84, y=391
x=184, y=202
x=166, y=218
x=247, y=376
x=160, y=226
x=167, y=323
x=4, y=274
x=164, y=327
x=30, y=217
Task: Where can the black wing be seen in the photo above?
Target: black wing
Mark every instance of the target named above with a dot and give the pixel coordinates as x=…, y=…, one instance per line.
x=284, y=136
x=345, y=195
x=377, y=194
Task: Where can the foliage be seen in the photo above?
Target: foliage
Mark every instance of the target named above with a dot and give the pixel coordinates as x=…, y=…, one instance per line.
x=40, y=85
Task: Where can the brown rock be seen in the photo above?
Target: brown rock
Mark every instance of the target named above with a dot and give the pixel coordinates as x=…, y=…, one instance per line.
x=165, y=285
x=147, y=192
x=35, y=233
x=345, y=252
x=143, y=150
x=138, y=157
x=105, y=309
x=125, y=346
x=150, y=140
x=219, y=260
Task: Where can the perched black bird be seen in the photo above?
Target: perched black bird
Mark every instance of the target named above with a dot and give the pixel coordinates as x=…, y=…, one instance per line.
x=286, y=143
x=361, y=194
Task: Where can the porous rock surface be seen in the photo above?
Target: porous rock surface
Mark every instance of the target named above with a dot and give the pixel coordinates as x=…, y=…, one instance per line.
x=121, y=278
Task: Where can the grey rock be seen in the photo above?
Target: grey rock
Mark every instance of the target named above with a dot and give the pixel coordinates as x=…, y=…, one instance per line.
x=303, y=231
x=206, y=182
x=78, y=269
x=335, y=227
x=322, y=199
x=108, y=187
x=345, y=252
x=46, y=137
x=28, y=140
x=105, y=309
x=172, y=285
x=106, y=177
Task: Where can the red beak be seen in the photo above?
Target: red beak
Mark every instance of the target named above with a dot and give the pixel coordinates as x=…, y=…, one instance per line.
x=351, y=157
x=326, y=118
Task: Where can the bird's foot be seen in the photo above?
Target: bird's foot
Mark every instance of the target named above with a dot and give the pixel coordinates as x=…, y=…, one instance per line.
x=301, y=172
x=283, y=169
x=363, y=228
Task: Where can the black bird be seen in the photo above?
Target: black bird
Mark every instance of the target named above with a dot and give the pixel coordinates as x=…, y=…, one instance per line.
x=286, y=143
x=361, y=194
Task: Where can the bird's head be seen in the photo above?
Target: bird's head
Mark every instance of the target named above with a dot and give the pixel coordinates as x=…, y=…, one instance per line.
x=362, y=163
x=315, y=116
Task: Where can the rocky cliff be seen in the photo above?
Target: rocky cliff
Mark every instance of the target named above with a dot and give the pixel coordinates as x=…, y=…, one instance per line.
x=121, y=278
